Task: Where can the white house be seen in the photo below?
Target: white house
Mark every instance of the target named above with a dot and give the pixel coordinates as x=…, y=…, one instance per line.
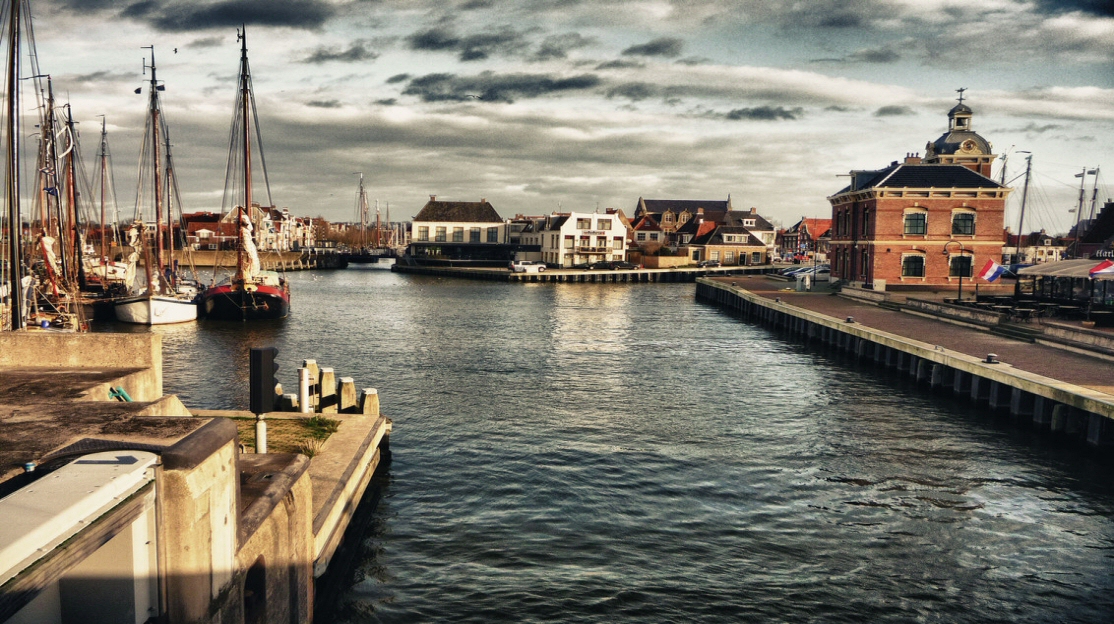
x=578, y=238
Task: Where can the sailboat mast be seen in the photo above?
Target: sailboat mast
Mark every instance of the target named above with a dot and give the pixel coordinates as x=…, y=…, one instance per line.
x=156, y=162
x=1024, y=199
x=51, y=166
x=104, y=175
x=11, y=147
x=73, y=226
x=245, y=115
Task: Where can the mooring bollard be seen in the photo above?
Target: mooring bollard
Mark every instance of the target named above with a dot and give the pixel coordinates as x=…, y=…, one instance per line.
x=305, y=404
x=369, y=402
x=347, y=399
x=315, y=387
x=260, y=434
x=328, y=404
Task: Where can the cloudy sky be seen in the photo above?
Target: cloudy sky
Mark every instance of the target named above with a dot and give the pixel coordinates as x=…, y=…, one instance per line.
x=569, y=104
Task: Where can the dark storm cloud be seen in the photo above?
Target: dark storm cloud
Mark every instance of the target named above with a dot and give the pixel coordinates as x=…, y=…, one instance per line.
x=621, y=64
x=893, y=111
x=766, y=113
x=1104, y=8
x=398, y=78
x=387, y=102
x=324, y=103
x=634, y=91
x=104, y=76
x=184, y=15
x=476, y=4
x=358, y=51
x=663, y=46
x=492, y=87
x=205, y=42
x=558, y=46
x=835, y=108
x=874, y=56
x=470, y=48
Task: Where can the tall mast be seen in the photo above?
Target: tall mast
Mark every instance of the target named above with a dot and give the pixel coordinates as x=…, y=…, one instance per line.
x=52, y=181
x=104, y=175
x=72, y=225
x=1024, y=198
x=11, y=191
x=156, y=162
x=245, y=115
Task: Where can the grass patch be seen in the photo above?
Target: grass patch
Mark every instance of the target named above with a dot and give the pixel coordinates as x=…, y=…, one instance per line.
x=297, y=435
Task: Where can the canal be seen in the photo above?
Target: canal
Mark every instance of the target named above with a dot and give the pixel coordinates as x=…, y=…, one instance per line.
x=602, y=452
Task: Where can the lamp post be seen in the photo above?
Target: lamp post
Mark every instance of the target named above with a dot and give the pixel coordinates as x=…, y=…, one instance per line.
x=962, y=250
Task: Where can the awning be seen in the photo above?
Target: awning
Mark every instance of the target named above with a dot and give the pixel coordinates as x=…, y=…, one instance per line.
x=1063, y=268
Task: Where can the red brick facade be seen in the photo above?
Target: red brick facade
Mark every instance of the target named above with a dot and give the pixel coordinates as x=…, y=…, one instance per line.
x=909, y=224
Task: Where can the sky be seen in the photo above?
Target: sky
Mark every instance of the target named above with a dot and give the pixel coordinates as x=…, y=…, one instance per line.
x=569, y=105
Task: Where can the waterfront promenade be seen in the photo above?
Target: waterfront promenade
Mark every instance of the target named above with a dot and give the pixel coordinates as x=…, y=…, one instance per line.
x=1086, y=370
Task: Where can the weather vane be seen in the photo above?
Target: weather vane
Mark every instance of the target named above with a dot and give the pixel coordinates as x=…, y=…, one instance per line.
x=960, y=92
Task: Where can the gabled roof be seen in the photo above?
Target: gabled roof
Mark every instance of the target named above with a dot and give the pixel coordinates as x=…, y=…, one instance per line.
x=815, y=227
x=919, y=176
x=460, y=212
x=647, y=224
x=737, y=217
x=557, y=221
x=716, y=234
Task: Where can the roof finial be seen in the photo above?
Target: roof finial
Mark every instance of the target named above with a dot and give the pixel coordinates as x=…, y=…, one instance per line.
x=960, y=92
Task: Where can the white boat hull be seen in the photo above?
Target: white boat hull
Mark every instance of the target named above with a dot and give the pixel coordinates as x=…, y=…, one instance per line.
x=157, y=310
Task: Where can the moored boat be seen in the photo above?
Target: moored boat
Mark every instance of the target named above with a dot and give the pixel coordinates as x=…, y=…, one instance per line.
x=250, y=293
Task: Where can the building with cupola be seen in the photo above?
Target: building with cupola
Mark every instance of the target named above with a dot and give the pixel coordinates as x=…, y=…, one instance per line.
x=921, y=222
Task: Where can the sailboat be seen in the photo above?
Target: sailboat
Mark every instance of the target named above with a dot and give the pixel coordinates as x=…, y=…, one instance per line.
x=102, y=273
x=250, y=293
x=165, y=298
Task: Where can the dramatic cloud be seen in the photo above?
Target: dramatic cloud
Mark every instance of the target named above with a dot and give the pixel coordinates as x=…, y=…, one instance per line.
x=492, y=87
x=621, y=64
x=358, y=51
x=634, y=91
x=1103, y=8
x=189, y=15
x=766, y=113
x=558, y=46
x=324, y=103
x=893, y=111
x=874, y=56
x=470, y=48
x=398, y=78
x=664, y=46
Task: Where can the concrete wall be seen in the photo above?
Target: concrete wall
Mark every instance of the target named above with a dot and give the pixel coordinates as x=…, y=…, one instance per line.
x=34, y=349
x=983, y=317
x=665, y=262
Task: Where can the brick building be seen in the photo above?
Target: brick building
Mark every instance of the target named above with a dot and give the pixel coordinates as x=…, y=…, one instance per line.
x=921, y=222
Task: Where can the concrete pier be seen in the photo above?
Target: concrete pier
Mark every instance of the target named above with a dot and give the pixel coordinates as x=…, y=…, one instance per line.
x=1079, y=407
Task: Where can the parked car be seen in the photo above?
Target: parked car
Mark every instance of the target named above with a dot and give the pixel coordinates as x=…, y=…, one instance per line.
x=708, y=263
x=612, y=265
x=526, y=266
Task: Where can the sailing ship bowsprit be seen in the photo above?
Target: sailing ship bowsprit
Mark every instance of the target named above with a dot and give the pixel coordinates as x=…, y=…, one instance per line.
x=250, y=293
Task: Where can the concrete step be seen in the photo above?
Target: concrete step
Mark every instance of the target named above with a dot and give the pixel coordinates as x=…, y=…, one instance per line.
x=890, y=305
x=1017, y=332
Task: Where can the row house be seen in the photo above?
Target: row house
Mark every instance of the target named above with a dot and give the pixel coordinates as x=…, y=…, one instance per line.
x=728, y=245
x=670, y=214
x=1034, y=248
x=444, y=232
x=921, y=222
x=807, y=236
x=575, y=238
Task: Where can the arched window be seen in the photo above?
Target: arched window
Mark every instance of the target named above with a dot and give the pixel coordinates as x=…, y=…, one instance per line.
x=916, y=221
x=963, y=222
x=912, y=265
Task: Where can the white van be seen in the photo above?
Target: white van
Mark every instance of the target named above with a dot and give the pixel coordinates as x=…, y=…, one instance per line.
x=526, y=266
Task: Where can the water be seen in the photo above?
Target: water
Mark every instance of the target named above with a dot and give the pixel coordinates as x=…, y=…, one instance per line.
x=593, y=453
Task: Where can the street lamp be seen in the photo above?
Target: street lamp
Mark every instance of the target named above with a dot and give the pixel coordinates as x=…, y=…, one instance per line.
x=962, y=250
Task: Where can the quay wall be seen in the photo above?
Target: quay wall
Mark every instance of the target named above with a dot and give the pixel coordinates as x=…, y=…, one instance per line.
x=581, y=276
x=89, y=351
x=1046, y=403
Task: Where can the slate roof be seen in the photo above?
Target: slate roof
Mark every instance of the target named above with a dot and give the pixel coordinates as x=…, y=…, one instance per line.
x=919, y=176
x=459, y=212
x=715, y=237
x=715, y=210
x=735, y=217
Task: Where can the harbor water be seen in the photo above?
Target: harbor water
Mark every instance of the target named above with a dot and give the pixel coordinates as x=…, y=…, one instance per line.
x=615, y=452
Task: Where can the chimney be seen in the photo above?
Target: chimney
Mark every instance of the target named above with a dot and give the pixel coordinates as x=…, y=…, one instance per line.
x=432, y=198
x=753, y=210
x=483, y=200
x=913, y=159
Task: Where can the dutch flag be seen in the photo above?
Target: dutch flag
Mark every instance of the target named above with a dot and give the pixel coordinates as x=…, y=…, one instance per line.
x=991, y=271
x=1106, y=267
